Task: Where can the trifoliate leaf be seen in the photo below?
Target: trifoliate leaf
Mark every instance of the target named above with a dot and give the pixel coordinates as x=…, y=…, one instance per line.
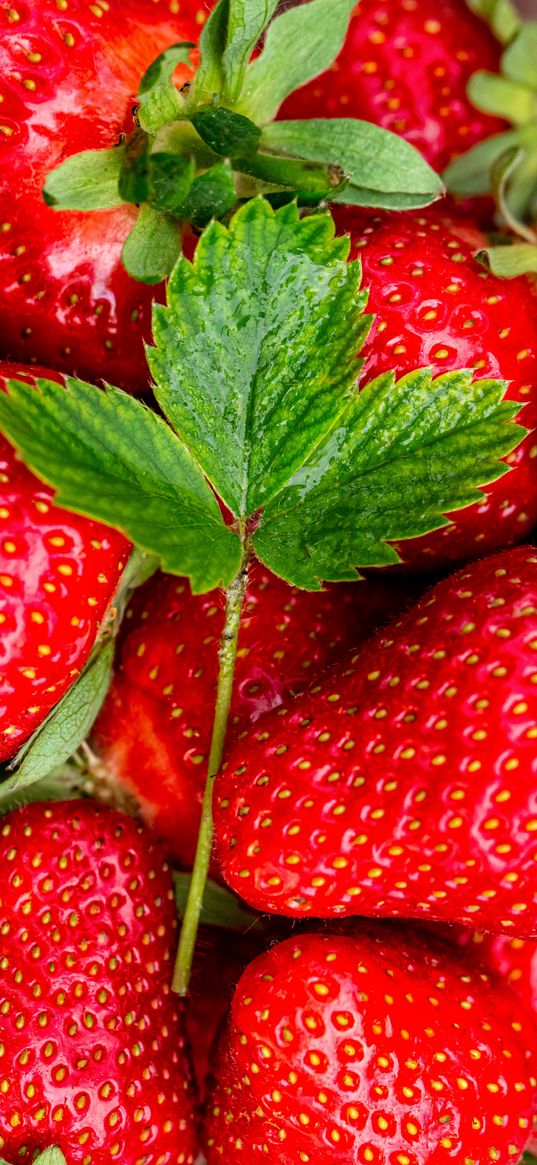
x=86, y=181
x=226, y=45
x=158, y=99
x=384, y=170
x=211, y=195
x=255, y=352
x=225, y=132
x=299, y=45
x=401, y=457
x=66, y=726
x=110, y=457
x=153, y=246
x=508, y=261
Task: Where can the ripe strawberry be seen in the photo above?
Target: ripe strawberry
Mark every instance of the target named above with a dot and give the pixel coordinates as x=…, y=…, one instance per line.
x=405, y=66
x=512, y=959
x=58, y=573
x=92, y=1046
x=404, y=784
x=154, y=731
x=70, y=72
x=436, y=305
x=381, y=1048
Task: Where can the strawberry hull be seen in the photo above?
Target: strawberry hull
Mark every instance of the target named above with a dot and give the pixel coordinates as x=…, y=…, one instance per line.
x=404, y=784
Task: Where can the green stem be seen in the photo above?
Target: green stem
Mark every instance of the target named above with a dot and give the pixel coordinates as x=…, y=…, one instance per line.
x=228, y=654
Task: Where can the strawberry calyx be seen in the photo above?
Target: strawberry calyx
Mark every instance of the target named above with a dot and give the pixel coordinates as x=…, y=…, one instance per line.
x=51, y=1156
x=505, y=165
x=201, y=148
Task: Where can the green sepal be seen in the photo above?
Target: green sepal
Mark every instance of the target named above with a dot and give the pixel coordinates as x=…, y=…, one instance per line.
x=153, y=246
x=63, y=783
x=226, y=133
x=158, y=99
x=318, y=181
x=501, y=15
x=402, y=456
x=519, y=61
x=170, y=177
x=255, y=351
x=511, y=260
x=221, y=908
x=299, y=45
x=65, y=727
x=470, y=173
x=133, y=182
x=86, y=181
x=503, y=97
x=211, y=195
x=110, y=457
x=226, y=44
x=384, y=170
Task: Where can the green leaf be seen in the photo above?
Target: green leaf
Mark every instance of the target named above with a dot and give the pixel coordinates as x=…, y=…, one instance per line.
x=153, y=246
x=299, y=45
x=63, y=783
x=225, y=132
x=65, y=727
x=159, y=101
x=470, y=173
x=256, y=349
x=170, y=177
x=110, y=457
x=501, y=15
x=508, y=261
x=402, y=456
x=220, y=906
x=86, y=181
x=519, y=61
x=211, y=195
x=502, y=97
x=227, y=42
x=384, y=169
x=133, y=175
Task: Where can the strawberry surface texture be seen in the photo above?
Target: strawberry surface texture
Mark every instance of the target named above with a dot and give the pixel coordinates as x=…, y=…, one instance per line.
x=404, y=784
x=436, y=306
x=70, y=74
x=153, y=733
x=380, y=1047
x=405, y=66
x=58, y=574
x=93, y=1056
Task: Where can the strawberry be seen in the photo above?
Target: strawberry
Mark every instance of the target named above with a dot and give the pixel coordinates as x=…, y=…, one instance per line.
x=154, y=731
x=382, y=1048
x=92, y=1047
x=404, y=784
x=405, y=66
x=58, y=573
x=436, y=305
x=513, y=959
x=70, y=72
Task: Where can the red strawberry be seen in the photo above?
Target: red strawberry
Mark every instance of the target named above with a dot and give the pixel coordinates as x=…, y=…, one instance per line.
x=405, y=66
x=70, y=72
x=404, y=784
x=58, y=573
x=92, y=1047
x=378, y=1049
x=154, y=730
x=513, y=959
x=436, y=305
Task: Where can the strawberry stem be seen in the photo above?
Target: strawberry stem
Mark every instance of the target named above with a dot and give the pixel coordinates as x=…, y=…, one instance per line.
x=227, y=657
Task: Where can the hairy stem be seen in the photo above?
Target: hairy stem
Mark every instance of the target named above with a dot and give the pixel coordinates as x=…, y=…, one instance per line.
x=227, y=656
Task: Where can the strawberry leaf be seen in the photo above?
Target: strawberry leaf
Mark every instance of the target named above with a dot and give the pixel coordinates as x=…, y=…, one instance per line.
x=110, y=457
x=299, y=45
x=65, y=728
x=401, y=457
x=384, y=170
x=255, y=351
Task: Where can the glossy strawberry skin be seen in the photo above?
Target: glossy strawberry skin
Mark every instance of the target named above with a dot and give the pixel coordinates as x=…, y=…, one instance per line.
x=70, y=73
x=405, y=66
x=153, y=733
x=58, y=574
x=436, y=306
x=404, y=785
x=383, y=1048
x=91, y=1035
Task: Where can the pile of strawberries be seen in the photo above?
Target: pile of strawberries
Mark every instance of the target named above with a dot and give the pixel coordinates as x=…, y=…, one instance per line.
x=364, y=989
